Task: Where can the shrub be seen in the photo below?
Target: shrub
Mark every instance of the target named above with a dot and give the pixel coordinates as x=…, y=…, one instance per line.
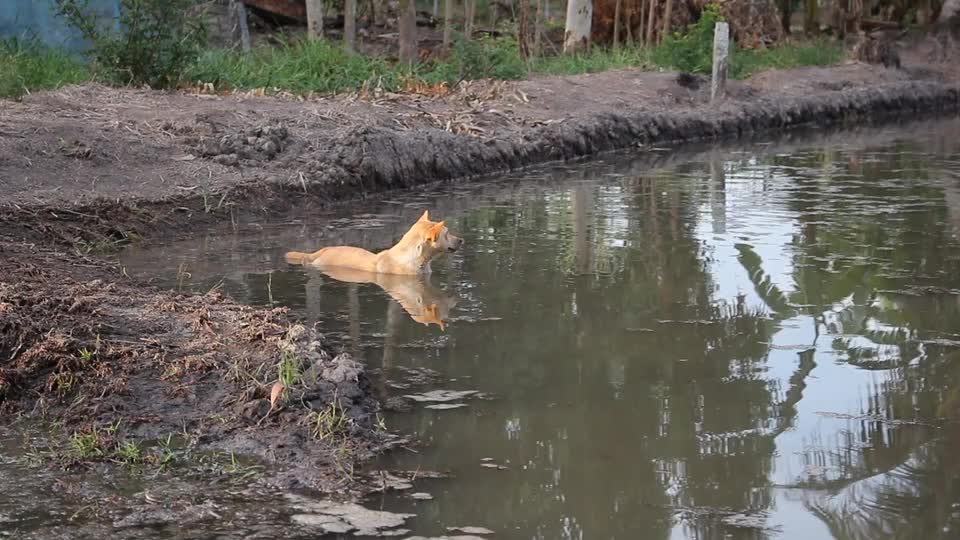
x=692, y=49
x=152, y=43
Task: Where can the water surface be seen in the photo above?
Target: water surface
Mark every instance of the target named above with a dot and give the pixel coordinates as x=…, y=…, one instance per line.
x=755, y=341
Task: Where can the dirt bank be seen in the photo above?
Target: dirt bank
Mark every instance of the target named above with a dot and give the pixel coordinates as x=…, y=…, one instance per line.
x=87, y=169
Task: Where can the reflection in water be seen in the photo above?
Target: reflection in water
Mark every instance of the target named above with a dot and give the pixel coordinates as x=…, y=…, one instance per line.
x=740, y=344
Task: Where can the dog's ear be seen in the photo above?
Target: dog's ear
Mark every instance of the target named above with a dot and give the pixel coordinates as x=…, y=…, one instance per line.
x=434, y=231
x=425, y=216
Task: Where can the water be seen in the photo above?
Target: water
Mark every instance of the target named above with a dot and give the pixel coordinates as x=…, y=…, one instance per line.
x=757, y=341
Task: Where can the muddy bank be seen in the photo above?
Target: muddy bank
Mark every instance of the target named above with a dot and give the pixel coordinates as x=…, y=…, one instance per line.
x=113, y=369
x=101, y=166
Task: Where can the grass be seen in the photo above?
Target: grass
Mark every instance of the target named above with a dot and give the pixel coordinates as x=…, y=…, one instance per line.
x=26, y=67
x=321, y=67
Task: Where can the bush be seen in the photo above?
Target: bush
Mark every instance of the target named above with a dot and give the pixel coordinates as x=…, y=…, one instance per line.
x=152, y=43
x=691, y=50
x=28, y=66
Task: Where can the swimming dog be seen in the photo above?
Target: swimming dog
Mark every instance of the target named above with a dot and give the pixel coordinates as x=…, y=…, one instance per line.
x=425, y=241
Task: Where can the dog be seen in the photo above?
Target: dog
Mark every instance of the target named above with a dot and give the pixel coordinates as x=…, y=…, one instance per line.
x=424, y=303
x=425, y=241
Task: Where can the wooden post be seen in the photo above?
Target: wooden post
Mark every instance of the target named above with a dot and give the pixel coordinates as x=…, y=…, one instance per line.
x=721, y=52
x=350, y=24
x=315, y=19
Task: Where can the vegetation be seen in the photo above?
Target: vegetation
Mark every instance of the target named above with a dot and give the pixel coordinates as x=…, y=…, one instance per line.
x=161, y=45
x=26, y=67
x=152, y=43
x=692, y=51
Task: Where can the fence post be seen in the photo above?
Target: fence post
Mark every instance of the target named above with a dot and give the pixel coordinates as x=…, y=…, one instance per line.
x=721, y=53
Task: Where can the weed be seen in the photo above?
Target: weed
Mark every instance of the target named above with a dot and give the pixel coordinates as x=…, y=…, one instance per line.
x=288, y=370
x=63, y=382
x=129, y=452
x=381, y=424
x=86, y=445
x=328, y=422
x=27, y=66
x=152, y=42
x=241, y=470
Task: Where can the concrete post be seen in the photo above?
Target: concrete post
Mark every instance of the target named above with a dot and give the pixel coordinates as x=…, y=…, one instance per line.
x=721, y=54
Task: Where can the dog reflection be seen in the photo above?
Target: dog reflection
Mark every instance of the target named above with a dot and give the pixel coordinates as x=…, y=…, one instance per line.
x=424, y=303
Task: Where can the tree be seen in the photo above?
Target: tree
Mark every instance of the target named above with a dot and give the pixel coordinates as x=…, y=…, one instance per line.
x=408, y=32
x=447, y=22
x=350, y=24
x=315, y=19
x=579, y=18
x=949, y=10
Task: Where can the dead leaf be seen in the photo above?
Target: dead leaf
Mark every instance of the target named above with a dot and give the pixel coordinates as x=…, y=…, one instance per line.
x=275, y=394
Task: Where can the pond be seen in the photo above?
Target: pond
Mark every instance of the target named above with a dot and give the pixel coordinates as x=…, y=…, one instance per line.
x=734, y=342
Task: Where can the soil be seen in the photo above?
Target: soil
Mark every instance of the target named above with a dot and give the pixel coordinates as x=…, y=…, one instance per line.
x=88, y=169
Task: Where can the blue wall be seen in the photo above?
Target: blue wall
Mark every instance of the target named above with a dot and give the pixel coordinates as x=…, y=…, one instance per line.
x=26, y=19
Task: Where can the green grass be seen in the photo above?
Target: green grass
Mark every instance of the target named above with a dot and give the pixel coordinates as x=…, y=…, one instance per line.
x=597, y=59
x=322, y=67
x=746, y=62
x=301, y=68
x=27, y=67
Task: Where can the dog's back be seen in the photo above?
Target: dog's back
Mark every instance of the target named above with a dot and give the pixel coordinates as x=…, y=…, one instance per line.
x=339, y=256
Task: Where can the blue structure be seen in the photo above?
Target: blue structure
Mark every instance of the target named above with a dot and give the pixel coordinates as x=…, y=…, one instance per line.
x=38, y=19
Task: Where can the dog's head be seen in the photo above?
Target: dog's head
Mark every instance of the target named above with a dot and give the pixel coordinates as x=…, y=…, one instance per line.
x=435, y=236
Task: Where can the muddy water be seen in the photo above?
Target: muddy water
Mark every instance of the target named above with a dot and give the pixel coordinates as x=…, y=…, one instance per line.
x=743, y=342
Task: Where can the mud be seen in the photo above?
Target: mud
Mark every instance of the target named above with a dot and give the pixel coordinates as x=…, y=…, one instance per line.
x=86, y=170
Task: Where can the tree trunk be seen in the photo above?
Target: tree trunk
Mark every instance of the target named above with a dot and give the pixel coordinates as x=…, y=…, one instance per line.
x=523, y=30
x=579, y=17
x=315, y=19
x=447, y=22
x=469, y=11
x=350, y=24
x=949, y=10
x=538, y=27
x=786, y=12
x=667, y=14
x=377, y=8
x=810, y=17
x=408, y=33
x=240, y=10
x=436, y=8
x=650, y=20
x=616, y=24
x=642, y=4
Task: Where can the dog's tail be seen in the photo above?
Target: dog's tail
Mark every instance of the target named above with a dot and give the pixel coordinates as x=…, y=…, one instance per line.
x=295, y=257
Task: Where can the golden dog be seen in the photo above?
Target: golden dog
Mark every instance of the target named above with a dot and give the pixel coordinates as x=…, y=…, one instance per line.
x=425, y=241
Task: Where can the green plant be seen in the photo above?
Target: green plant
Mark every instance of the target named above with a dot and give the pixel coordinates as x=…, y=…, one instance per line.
x=129, y=452
x=152, y=43
x=484, y=58
x=288, y=370
x=692, y=49
x=27, y=66
x=329, y=421
x=86, y=445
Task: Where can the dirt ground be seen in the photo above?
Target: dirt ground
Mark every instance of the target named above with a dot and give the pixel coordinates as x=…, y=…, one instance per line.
x=86, y=170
